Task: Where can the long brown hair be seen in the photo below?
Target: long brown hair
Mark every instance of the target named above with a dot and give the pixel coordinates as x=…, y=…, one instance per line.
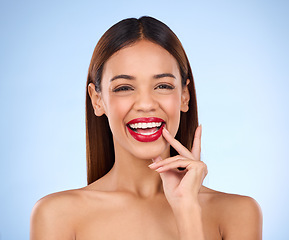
x=99, y=142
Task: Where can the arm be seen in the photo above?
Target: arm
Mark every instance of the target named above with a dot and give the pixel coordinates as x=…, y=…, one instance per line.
x=189, y=222
x=49, y=219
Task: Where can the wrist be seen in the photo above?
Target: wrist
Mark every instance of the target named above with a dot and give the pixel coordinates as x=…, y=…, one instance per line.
x=186, y=207
x=184, y=211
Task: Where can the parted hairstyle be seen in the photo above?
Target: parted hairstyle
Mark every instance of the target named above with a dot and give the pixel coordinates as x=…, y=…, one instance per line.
x=99, y=141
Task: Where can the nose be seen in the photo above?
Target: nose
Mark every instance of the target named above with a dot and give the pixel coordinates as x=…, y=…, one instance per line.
x=145, y=102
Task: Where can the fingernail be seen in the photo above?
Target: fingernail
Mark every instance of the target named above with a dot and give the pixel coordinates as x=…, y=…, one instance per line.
x=159, y=169
x=164, y=129
x=152, y=164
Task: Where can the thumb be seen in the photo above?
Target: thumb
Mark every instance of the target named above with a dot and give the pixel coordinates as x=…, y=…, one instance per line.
x=157, y=159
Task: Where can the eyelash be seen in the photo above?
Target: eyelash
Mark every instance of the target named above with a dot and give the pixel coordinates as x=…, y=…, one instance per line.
x=129, y=88
x=122, y=88
x=165, y=86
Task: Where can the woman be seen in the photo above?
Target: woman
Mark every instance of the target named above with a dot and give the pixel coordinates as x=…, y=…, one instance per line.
x=143, y=151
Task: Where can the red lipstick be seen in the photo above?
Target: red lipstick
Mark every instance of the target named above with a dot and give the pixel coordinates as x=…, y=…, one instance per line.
x=146, y=129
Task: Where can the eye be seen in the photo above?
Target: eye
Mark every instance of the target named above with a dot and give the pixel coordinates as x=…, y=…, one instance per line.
x=123, y=88
x=165, y=86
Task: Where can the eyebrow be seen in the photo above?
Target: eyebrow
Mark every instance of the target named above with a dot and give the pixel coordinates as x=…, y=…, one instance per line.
x=128, y=77
x=123, y=76
x=163, y=75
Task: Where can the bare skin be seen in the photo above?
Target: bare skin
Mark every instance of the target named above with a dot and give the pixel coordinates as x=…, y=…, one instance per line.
x=138, y=199
x=91, y=213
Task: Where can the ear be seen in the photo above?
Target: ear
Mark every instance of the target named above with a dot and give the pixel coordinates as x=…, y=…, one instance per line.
x=96, y=100
x=185, y=97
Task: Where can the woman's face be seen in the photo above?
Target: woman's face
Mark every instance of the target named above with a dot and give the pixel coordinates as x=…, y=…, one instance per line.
x=141, y=93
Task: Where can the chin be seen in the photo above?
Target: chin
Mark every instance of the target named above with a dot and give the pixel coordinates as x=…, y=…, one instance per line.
x=151, y=150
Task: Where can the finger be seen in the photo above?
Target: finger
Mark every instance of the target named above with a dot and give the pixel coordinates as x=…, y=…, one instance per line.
x=187, y=164
x=157, y=159
x=196, y=149
x=182, y=150
x=158, y=164
x=198, y=166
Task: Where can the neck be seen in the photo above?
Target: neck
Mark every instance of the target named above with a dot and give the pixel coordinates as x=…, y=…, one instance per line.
x=131, y=174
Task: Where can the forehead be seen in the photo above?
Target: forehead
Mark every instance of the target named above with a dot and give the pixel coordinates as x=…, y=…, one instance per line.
x=143, y=58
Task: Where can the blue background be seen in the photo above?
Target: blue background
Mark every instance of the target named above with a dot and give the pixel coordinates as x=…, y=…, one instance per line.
x=239, y=55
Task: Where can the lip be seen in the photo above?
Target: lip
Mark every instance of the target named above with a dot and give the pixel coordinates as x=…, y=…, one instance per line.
x=146, y=138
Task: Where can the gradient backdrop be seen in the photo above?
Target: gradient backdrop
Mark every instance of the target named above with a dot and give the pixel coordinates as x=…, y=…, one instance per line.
x=239, y=55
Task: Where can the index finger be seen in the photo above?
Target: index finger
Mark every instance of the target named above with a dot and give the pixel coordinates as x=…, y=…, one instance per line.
x=182, y=150
x=196, y=149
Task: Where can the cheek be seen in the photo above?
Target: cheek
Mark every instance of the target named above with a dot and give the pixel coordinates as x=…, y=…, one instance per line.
x=117, y=110
x=172, y=107
x=172, y=103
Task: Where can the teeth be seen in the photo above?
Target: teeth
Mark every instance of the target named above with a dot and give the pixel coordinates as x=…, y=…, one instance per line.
x=145, y=125
x=149, y=133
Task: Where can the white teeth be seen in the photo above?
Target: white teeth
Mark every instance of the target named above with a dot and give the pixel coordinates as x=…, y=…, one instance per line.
x=145, y=125
x=158, y=124
x=150, y=133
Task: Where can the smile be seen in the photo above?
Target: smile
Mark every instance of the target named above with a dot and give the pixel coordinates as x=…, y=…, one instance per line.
x=146, y=129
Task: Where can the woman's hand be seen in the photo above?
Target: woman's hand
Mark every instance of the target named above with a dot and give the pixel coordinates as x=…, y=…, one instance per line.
x=181, y=187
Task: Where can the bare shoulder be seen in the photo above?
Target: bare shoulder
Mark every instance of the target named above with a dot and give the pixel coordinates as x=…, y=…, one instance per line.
x=240, y=217
x=53, y=216
x=232, y=202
